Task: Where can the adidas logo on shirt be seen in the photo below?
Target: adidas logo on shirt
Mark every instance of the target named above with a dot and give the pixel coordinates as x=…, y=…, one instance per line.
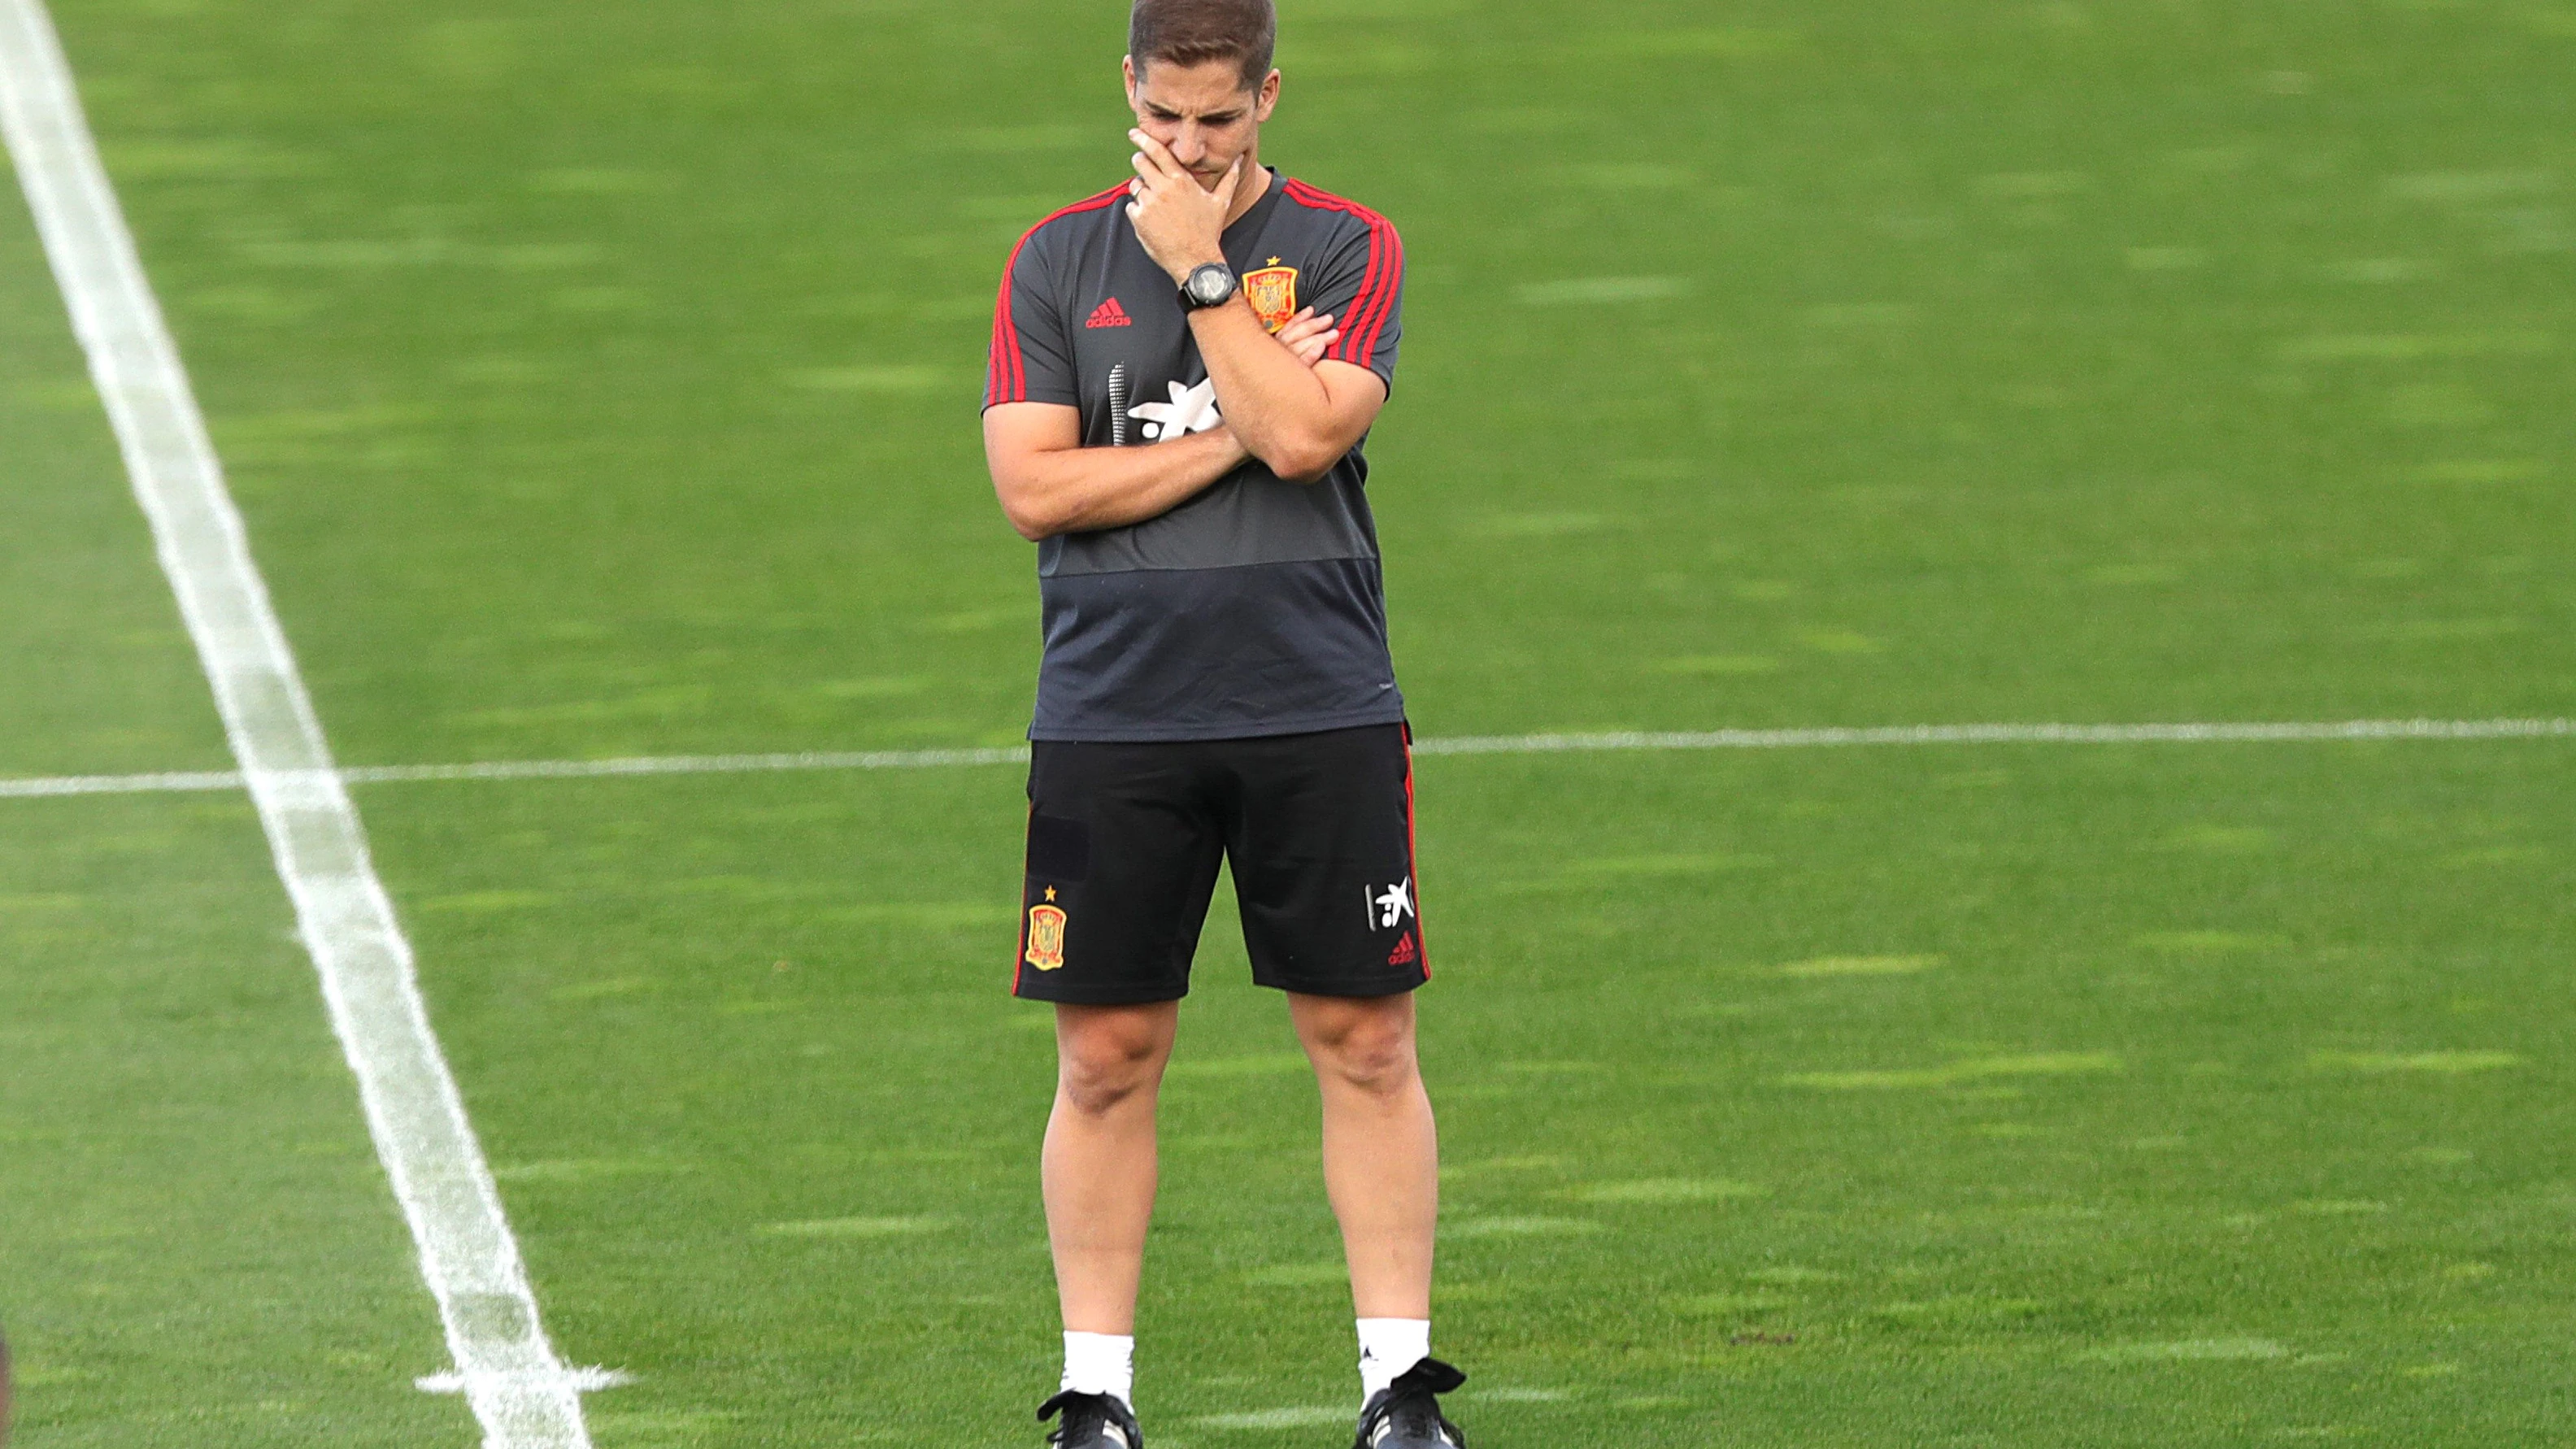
x=1109, y=314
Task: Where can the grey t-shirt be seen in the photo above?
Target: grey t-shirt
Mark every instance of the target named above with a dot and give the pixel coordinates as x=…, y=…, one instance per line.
x=1255, y=608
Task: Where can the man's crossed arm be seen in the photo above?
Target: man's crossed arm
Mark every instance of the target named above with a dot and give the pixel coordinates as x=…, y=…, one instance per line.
x=1281, y=402
x=1049, y=483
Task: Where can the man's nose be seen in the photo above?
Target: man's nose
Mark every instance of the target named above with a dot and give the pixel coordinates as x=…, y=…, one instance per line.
x=1189, y=146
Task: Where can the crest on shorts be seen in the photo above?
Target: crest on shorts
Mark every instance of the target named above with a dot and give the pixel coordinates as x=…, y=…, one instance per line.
x=1046, y=937
x=1272, y=291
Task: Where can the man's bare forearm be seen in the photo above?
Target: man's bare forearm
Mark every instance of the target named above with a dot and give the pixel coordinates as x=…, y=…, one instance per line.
x=1079, y=490
x=1272, y=401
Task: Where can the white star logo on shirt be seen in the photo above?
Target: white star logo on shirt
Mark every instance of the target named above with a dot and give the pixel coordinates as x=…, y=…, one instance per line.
x=1191, y=410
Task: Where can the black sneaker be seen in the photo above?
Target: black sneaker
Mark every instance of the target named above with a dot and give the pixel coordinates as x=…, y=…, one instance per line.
x=1091, y=1421
x=1406, y=1413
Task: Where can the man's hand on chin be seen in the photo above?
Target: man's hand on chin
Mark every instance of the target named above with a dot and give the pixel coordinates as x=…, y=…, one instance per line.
x=1181, y=223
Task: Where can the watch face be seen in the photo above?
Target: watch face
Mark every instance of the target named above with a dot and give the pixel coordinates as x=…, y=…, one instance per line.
x=1211, y=285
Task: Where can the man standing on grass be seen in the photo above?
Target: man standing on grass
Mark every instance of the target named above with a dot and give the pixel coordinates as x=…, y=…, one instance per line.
x=1183, y=369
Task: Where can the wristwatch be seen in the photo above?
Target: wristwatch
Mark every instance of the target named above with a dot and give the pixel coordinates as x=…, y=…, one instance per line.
x=1210, y=285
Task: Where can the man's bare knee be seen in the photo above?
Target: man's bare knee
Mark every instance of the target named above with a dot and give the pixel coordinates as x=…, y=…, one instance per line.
x=1106, y=1056
x=1366, y=1045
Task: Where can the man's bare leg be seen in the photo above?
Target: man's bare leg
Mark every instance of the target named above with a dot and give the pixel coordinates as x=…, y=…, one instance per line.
x=1381, y=1149
x=1099, y=1166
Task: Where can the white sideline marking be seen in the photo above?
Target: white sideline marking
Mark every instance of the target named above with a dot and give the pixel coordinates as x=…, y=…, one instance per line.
x=1973, y=734
x=518, y=1389
x=2009, y=734
x=120, y=784
x=586, y=1380
x=684, y=765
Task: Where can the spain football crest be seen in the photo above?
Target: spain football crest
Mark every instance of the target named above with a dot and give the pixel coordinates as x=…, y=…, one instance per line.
x=1272, y=291
x=1046, y=937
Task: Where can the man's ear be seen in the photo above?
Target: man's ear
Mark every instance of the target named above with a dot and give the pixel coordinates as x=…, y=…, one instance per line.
x=1269, y=97
x=1127, y=72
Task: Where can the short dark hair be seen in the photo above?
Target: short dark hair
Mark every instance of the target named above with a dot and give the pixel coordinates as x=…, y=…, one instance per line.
x=1194, y=32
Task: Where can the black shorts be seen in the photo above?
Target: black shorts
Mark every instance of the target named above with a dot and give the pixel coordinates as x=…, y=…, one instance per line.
x=1124, y=842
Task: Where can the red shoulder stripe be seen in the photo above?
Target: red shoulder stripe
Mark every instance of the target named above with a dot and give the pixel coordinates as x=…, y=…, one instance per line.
x=1388, y=291
x=1364, y=303
x=1379, y=285
x=1353, y=324
x=1005, y=371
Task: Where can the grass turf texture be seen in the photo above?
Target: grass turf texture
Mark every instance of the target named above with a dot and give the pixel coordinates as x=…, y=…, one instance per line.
x=600, y=381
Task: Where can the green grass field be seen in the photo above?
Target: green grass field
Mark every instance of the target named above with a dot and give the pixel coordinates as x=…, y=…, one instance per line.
x=599, y=379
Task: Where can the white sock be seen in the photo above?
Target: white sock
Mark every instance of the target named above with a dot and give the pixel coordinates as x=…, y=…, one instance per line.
x=1101, y=1363
x=1389, y=1346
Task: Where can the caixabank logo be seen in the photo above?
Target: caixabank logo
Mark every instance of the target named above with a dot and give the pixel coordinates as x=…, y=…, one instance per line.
x=1184, y=411
x=1190, y=410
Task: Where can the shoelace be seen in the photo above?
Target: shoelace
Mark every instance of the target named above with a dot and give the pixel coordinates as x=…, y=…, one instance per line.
x=1086, y=1416
x=1411, y=1407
